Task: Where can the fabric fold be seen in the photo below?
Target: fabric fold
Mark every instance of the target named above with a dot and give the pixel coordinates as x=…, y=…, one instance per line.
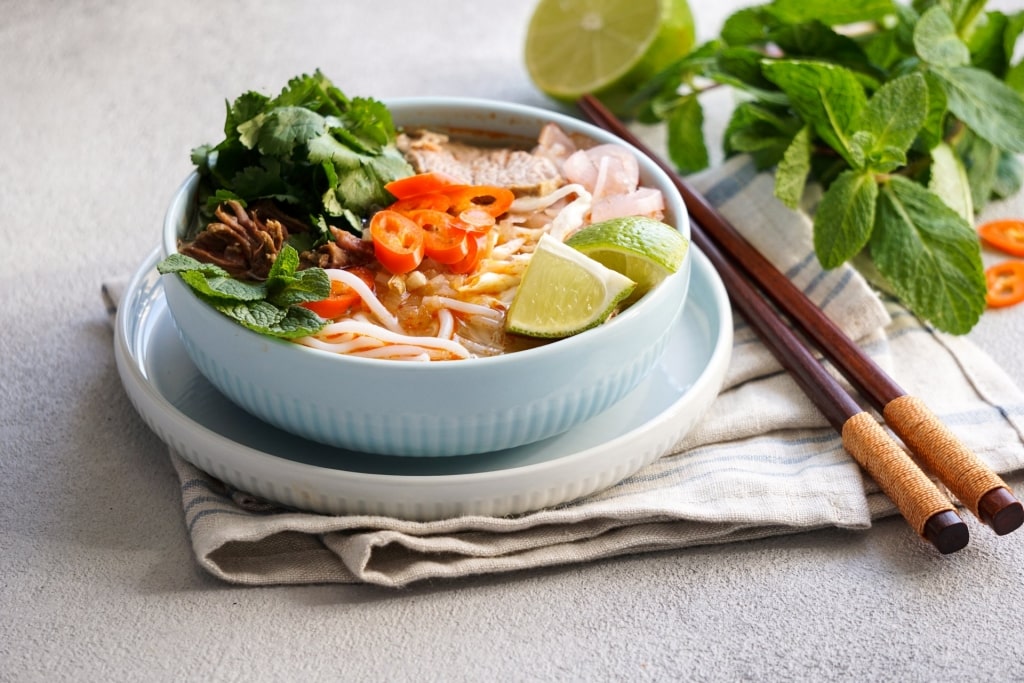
x=762, y=462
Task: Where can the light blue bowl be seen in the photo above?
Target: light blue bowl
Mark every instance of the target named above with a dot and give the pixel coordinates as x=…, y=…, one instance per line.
x=435, y=409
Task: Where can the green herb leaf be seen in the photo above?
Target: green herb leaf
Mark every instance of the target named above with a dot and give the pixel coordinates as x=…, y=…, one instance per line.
x=845, y=218
x=949, y=181
x=830, y=12
x=937, y=42
x=1009, y=176
x=828, y=97
x=791, y=176
x=265, y=307
x=933, y=130
x=988, y=106
x=930, y=255
x=762, y=130
x=981, y=161
x=686, y=136
x=893, y=116
x=310, y=147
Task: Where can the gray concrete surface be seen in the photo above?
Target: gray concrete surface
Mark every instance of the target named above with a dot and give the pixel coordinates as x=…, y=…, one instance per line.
x=101, y=102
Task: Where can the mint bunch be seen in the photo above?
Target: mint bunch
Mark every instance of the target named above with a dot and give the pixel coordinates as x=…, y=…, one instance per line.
x=270, y=307
x=311, y=148
x=910, y=117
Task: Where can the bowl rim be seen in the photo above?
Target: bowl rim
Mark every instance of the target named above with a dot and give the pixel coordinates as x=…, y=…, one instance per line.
x=563, y=346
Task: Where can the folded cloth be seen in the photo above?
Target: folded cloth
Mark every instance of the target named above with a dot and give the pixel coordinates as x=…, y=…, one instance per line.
x=761, y=462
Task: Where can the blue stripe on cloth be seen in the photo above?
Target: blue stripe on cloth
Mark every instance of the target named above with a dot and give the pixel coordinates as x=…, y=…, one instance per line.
x=800, y=265
x=199, y=500
x=731, y=185
x=837, y=289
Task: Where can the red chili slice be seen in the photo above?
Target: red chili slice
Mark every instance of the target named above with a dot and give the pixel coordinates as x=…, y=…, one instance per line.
x=397, y=241
x=1006, y=234
x=443, y=238
x=1005, y=283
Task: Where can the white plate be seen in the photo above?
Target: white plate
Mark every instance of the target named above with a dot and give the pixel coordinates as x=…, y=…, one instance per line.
x=209, y=431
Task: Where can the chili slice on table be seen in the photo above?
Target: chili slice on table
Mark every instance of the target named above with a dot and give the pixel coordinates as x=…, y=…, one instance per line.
x=397, y=241
x=1005, y=283
x=444, y=240
x=1005, y=234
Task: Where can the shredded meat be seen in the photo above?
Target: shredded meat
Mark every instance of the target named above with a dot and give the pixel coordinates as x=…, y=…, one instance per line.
x=346, y=250
x=520, y=171
x=242, y=243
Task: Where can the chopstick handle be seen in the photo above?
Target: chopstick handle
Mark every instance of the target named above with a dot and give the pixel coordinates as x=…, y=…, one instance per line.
x=925, y=508
x=969, y=479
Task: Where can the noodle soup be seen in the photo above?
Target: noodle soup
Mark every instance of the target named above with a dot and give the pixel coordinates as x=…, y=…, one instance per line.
x=478, y=405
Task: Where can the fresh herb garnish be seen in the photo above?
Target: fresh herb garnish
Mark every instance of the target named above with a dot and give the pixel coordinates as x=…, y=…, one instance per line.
x=270, y=307
x=910, y=117
x=311, y=148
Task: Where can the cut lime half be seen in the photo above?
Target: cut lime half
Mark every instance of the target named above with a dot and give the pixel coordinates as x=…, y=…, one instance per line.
x=604, y=47
x=564, y=292
x=643, y=249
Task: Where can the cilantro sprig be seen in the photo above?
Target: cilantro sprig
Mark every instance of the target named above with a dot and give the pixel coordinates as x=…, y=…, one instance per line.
x=324, y=155
x=270, y=307
x=910, y=117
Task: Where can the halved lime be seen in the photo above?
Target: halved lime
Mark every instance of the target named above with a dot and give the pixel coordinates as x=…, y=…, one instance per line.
x=604, y=47
x=564, y=292
x=643, y=249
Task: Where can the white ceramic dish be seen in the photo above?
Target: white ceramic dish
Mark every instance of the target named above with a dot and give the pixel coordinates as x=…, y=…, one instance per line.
x=437, y=409
x=208, y=430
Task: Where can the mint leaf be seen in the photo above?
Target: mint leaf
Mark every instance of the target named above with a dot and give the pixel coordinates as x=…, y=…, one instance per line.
x=930, y=255
x=933, y=130
x=988, y=106
x=1009, y=176
x=749, y=25
x=762, y=130
x=830, y=12
x=845, y=217
x=937, y=42
x=827, y=97
x=981, y=161
x=949, y=182
x=893, y=116
x=791, y=175
x=963, y=13
x=265, y=307
x=685, y=132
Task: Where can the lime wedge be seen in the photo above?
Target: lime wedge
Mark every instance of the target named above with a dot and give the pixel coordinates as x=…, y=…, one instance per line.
x=604, y=47
x=564, y=292
x=643, y=249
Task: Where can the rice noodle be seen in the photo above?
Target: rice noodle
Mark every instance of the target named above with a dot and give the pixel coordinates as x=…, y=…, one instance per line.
x=446, y=303
x=390, y=337
x=446, y=324
x=366, y=294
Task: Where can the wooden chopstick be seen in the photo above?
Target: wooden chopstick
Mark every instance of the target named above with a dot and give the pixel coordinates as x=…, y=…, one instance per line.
x=975, y=484
x=927, y=510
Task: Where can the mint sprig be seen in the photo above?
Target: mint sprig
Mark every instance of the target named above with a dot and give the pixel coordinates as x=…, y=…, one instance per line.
x=270, y=307
x=911, y=121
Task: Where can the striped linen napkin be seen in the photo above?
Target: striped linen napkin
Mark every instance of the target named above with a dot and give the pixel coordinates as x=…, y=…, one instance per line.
x=762, y=462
